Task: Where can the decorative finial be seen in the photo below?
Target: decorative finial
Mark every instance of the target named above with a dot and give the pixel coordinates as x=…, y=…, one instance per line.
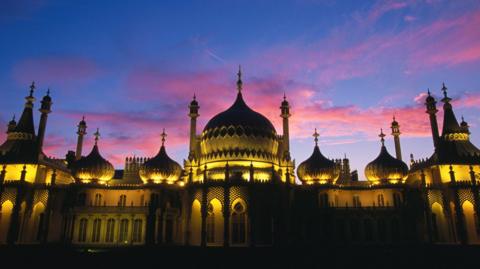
x=428, y=91
x=239, y=81
x=97, y=136
x=382, y=137
x=316, y=135
x=83, y=118
x=194, y=96
x=48, y=92
x=163, y=135
x=284, y=97
x=393, y=117
x=32, y=88
x=444, y=90
x=13, y=118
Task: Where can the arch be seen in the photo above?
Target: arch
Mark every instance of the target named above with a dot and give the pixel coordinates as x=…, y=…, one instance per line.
x=37, y=221
x=110, y=233
x=238, y=221
x=215, y=223
x=439, y=223
x=195, y=223
x=5, y=217
x=469, y=214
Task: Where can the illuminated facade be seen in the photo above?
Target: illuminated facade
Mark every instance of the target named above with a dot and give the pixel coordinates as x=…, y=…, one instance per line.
x=237, y=188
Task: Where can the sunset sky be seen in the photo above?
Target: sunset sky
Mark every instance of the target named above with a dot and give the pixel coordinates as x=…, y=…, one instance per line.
x=132, y=67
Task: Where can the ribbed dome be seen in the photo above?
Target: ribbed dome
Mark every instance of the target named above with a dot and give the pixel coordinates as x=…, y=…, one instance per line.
x=317, y=168
x=239, y=131
x=386, y=168
x=93, y=167
x=160, y=168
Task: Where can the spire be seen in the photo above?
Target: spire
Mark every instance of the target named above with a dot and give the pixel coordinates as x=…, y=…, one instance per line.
x=316, y=135
x=445, y=99
x=97, y=136
x=163, y=135
x=32, y=88
x=239, y=81
x=382, y=137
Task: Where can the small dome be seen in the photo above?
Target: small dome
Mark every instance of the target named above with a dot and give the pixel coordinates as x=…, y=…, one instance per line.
x=93, y=168
x=160, y=168
x=386, y=168
x=317, y=168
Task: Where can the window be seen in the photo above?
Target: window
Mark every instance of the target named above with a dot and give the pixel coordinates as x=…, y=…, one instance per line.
x=238, y=224
x=137, y=230
x=110, y=230
x=380, y=200
x=98, y=199
x=123, y=233
x=82, y=230
x=397, y=201
x=356, y=201
x=97, y=224
x=123, y=200
x=210, y=224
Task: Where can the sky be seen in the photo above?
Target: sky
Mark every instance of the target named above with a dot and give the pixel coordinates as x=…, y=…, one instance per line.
x=346, y=67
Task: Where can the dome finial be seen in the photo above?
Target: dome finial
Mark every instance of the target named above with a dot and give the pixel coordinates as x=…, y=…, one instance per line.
x=97, y=136
x=239, y=81
x=444, y=90
x=32, y=88
x=163, y=135
x=194, y=96
x=316, y=135
x=13, y=118
x=428, y=91
x=382, y=137
x=284, y=97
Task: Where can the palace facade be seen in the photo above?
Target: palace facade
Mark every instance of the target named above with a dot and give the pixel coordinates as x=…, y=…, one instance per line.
x=237, y=187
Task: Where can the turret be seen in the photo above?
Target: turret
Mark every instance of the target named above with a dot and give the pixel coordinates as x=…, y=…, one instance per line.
x=82, y=131
x=396, y=138
x=193, y=126
x=285, y=114
x=45, y=109
x=11, y=125
x=430, y=103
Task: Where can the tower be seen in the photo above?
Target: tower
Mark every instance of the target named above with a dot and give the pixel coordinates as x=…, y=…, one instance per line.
x=193, y=126
x=430, y=103
x=285, y=114
x=45, y=109
x=396, y=138
x=82, y=130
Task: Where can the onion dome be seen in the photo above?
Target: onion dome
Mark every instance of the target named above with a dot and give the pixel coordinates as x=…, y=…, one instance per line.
x=317, y=168
x=239, y=131
x=93, y=167
x=385, y=168
x=160, y=168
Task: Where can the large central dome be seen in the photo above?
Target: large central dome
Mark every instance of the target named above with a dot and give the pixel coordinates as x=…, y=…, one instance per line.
x=239, y=133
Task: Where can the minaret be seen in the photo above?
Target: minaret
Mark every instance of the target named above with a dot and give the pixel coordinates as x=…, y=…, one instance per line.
x=430, y=103
x=11, y=125
x=45, y=109
x=396, y=138
x=193, y=126
x=82, y=130
x=285, y=109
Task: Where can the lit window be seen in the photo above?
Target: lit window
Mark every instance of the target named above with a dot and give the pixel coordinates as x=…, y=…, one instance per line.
x=82, y=230
x=238, y=224
x=381, y=201
x=110, y=230
x=210, y=225
x=97, y=224
x=123, y=233
x=137, y=230
x=98, y=199
x=123, y=200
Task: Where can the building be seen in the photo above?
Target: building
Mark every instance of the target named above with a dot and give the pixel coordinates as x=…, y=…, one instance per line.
x=237, y=187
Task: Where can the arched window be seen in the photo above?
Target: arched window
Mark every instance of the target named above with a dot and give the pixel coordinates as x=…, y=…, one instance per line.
x=238, y=223
x=110, y=231
x=98, y=199
x=123, y=233
x=123, y=200
x=380, y=200
x=397, y=201
x=137, y=231
x=356, y=201
x=82, y=230
x=210, y=224
x=97, y=224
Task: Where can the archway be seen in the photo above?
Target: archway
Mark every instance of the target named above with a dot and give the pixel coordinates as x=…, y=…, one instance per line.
x=5, y=217
x=214, y=223
x=469, y=213
x=439, y=223
x=195, y=224
x=238, y=222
